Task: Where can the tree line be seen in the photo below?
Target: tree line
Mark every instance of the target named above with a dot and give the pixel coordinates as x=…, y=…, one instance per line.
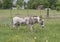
x=31, y=4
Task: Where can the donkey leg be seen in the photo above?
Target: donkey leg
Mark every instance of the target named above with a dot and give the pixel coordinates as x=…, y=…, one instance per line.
x=13, y=26
x=31, y=27
x=19, y=26
x=42, y=26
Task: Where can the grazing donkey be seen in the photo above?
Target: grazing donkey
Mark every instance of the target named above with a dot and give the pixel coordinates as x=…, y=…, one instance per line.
x=17, y=21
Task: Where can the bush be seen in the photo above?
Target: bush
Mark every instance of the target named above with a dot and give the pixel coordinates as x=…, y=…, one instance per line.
x=0, y=4
x=58, y=8
x=7, y=4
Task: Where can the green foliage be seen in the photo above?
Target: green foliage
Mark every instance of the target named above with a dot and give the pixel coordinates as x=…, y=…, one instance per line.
x=7, y=4
x=58, y=6
x=50, y=3
x=20, y=2
x=0, y=4
x=34, y=3
x=46, y=3
x=53, y=7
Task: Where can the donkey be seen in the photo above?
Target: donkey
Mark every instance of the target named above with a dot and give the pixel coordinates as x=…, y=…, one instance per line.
x=17, y=21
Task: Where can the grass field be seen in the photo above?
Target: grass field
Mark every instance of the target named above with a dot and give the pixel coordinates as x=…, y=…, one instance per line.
x=50, y=33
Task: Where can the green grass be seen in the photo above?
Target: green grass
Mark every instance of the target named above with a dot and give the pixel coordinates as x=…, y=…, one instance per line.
x=51, y=31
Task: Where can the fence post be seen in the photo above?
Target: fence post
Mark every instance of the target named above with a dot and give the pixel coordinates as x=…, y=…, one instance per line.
x=47, y=13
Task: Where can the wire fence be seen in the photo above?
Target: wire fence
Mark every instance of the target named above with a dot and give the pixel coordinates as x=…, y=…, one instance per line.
x=7, y=15
x=6, y=23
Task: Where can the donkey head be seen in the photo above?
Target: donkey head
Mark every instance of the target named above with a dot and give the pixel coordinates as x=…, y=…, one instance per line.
x=41, y=21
